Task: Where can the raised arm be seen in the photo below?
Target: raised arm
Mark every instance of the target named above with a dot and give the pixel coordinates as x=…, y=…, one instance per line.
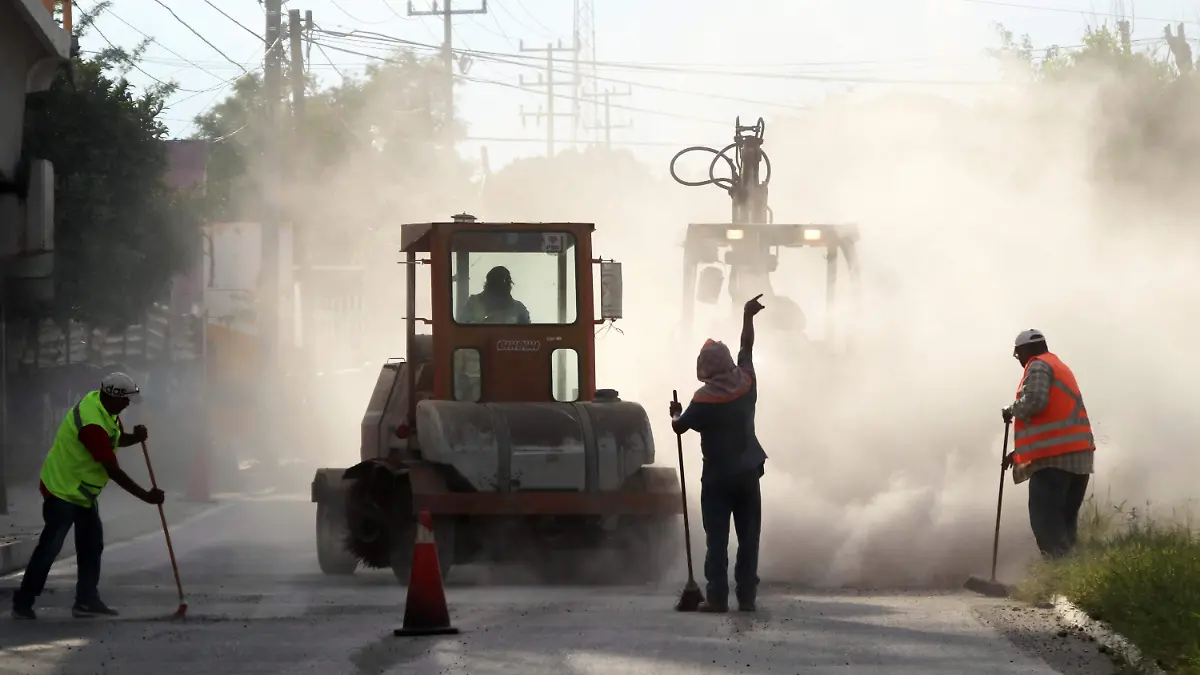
x=752, y=307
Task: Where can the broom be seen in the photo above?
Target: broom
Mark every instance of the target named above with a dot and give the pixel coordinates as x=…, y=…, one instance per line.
x=990, y=587
x=181, y=612
x=691, y=597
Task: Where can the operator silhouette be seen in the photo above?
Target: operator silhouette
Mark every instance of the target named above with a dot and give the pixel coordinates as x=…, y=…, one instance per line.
x=495, y=303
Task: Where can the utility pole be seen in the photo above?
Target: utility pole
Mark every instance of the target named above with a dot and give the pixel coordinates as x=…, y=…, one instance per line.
x=447, y=12
x=585, y=67
x=301, y=231
x=607, y=125
x=549, y=83
x=269, y=291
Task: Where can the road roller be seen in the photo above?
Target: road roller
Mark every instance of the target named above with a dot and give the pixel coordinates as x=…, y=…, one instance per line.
x=493, y=422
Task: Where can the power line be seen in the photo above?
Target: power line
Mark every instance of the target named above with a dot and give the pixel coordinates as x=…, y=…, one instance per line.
x=355, y=18
x=199, y=35
x=515, y=59
x=131, y=63
x=1065, y=10
x=241, y=25
x=165, y=48
x=528, y=90
x=542, y=141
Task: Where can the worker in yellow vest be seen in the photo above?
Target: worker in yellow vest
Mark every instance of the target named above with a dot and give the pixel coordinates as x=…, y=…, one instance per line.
x=80, y=463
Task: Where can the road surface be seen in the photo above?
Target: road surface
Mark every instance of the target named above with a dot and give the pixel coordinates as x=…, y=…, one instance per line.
x=263, y=607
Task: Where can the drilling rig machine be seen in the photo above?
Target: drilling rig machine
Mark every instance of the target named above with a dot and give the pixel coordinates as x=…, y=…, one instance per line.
x=497, y=428
x=748, y=247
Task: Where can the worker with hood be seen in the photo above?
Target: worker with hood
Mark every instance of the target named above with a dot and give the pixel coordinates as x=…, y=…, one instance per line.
x=722, y=411
x=1053, y=446
x=495, y=303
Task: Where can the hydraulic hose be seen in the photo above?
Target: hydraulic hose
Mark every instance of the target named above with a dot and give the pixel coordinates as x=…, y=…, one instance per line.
x=734, y=163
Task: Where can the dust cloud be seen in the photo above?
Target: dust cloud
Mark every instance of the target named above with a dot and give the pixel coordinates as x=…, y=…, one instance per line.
x=979, y=218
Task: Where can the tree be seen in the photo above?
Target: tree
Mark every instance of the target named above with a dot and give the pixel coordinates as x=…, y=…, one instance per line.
x=371, y=150
x=120, y=232
x=1146, y=104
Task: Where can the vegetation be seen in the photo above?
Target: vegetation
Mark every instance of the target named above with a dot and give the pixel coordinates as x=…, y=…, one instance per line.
x=1138, y=573
x=120, y=232
x=373, y=144
x=1146, y=100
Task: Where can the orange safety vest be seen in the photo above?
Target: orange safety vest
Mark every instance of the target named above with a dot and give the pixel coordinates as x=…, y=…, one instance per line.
x=1062, y=426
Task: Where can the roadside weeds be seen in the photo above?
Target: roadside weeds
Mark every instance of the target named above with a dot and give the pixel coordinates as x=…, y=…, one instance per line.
x=1137, y=573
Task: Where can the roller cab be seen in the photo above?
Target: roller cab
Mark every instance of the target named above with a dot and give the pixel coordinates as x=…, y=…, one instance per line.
x=493, y=421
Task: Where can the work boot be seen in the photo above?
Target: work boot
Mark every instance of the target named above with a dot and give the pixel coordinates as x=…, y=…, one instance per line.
x=746, y=606
x=22, y=612
x=709, y=607
x=87, y=610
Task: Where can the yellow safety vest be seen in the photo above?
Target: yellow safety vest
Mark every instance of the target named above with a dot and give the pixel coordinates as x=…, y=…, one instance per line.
x=69, y=472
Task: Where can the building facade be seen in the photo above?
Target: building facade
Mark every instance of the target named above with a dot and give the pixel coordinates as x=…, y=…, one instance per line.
x=32, y=48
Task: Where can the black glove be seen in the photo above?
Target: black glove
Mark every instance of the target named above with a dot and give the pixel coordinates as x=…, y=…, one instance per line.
x=1007, y=461
x=676, y=409
x=1006, y=415
x=140, y=434
x=155, y=497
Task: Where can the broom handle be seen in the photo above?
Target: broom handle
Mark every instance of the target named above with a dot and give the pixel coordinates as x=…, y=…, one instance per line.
x=163, y=517
x=687, y=530
x=999, y=501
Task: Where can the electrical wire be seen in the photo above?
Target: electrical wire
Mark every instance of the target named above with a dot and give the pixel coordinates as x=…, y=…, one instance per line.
x=235, y=21
x=516, y=59
x=355, y=18
x=199, y=35
x=518, y=87
x=1066, y=10
x=165, y=48
x=135, y=66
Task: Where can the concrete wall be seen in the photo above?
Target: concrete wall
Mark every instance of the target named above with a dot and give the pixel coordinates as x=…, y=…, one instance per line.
x=31, y=47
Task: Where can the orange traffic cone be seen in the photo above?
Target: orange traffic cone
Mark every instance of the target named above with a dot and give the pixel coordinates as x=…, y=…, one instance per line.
x=425, y=611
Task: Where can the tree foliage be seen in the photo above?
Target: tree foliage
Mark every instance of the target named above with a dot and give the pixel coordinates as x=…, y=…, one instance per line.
x=368, y=150
x=1145, y=101
x=120, y=232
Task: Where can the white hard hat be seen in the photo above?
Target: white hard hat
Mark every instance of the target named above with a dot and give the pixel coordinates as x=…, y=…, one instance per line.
x=1028, y=337
x=120, y=385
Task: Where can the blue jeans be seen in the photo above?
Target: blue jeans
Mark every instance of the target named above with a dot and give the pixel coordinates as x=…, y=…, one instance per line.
x=739, y=497
x=59, y=516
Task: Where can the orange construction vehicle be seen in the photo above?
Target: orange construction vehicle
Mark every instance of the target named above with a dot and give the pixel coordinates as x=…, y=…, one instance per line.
x=493, y=421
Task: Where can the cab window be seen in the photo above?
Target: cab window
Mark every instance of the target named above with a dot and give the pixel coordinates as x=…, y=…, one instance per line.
x=507, y=277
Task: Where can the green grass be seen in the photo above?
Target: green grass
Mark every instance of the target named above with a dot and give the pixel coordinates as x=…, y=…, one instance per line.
x=1137, y=571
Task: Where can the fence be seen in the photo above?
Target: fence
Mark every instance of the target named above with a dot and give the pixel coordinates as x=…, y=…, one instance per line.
x=50, y=367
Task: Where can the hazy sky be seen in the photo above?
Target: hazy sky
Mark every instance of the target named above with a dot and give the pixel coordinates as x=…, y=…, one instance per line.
x=810, y=48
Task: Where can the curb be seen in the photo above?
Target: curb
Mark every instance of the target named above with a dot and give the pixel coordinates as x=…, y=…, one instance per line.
x=1072, y=615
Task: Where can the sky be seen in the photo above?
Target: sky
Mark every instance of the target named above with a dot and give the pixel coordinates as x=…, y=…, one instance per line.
x=681, y=71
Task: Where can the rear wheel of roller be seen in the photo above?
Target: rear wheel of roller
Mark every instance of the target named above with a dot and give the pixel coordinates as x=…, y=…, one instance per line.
x=332, y=555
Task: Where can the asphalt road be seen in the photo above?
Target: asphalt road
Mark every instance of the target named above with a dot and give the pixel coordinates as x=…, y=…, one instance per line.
x=263, y=607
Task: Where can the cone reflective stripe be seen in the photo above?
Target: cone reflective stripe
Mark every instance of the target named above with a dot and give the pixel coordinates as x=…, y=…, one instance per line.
x=425, y=610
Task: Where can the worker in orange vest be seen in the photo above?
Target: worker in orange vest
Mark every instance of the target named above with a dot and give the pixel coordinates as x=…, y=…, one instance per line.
x=1053, y=444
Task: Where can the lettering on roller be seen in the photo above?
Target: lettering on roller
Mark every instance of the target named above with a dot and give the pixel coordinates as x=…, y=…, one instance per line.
x=518, y=345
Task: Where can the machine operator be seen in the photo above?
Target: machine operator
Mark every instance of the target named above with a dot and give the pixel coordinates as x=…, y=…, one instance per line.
x=495, y=303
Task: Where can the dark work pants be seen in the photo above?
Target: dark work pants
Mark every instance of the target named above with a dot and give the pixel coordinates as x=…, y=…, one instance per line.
x=89, y=545
x=739, y=497
x=1054, y=500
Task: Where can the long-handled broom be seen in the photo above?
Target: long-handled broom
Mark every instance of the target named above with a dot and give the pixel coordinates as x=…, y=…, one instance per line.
x=181, y=612
x=990, y=587
x=691, y=597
